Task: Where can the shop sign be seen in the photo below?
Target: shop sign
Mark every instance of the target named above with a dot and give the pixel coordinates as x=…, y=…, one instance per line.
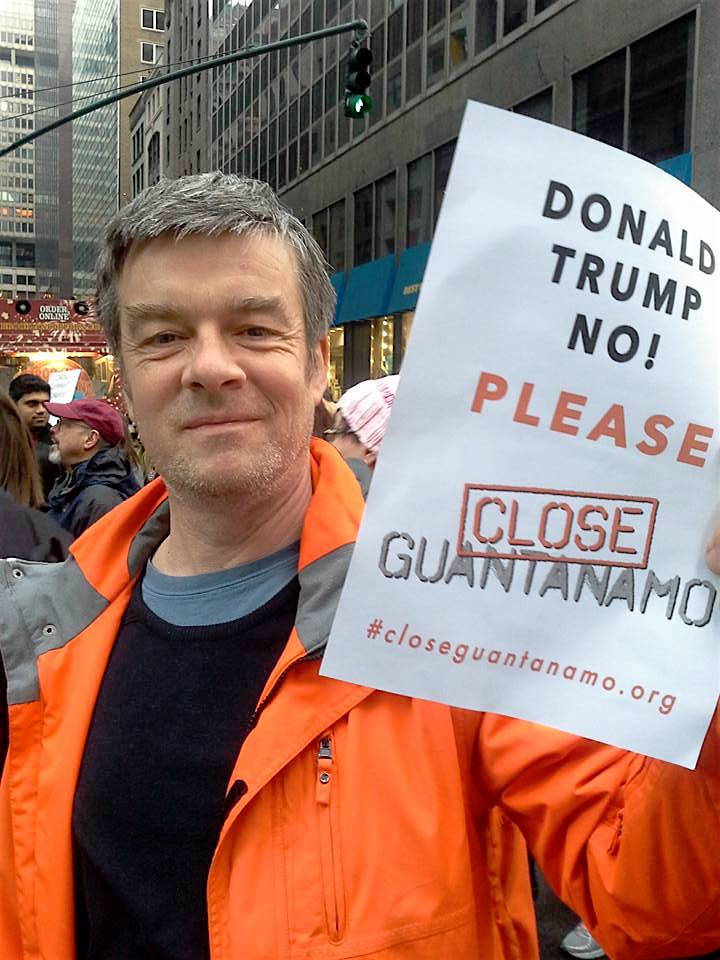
x=534, y=539
x=47, y=325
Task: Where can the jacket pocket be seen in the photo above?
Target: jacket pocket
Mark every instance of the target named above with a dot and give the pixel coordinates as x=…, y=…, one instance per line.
x=326, y=797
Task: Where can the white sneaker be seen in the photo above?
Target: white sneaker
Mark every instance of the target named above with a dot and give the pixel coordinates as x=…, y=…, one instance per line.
x=580, y=943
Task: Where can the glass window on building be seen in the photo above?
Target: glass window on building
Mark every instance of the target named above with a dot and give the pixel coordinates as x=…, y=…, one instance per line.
x=435, y=63
x=331, y=88
x=657, y=123
x=329, y=145
x=293, y=120
x=6, y=252
x=381, y=347
x=148, y=52
x=599, y=100
x=305, y=68
x=385, y=191
x=413, y=72
x=363, y=226
x=377, y=91
x=415, y=20
x=343, y=129
x=406, y=322
x=320, y=229
x=539, y=107
x=152, y=19
x=377, y=10
x=542, y=5
x=317, y=99
x=336, y=251
x=394, y=86
x=436, y=12
x=305, y=111
x=459, y=44
x=377, y=47
x=419, y=201
x=443, y=162
x=336, y=338
x=304, y=158
x=661, y=68
x=395, y=34
x=516, y=12
x=316, y=144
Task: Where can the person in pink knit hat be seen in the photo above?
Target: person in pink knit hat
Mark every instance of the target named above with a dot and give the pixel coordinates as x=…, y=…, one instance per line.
x=359, y=425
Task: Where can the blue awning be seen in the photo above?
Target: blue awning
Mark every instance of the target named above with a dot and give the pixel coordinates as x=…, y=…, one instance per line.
x=408, y=279
x=680, y=167
x=338, y=282
x=367, y=290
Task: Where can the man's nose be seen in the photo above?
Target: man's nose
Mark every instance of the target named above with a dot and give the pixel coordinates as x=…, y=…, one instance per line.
x=211, y=363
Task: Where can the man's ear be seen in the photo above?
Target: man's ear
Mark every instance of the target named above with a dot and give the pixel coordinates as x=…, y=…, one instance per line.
x=91, y=440
x=319, y=371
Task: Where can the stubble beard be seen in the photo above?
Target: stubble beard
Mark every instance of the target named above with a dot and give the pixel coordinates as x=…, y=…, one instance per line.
x=255, y=479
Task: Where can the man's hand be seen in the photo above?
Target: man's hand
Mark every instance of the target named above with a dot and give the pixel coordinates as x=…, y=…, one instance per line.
x=712, y=553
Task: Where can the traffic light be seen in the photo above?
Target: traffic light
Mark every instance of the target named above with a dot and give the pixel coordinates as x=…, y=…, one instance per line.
x=358, y=101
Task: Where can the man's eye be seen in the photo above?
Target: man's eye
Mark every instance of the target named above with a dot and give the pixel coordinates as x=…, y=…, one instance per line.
x=164, y=338
x=255, y=332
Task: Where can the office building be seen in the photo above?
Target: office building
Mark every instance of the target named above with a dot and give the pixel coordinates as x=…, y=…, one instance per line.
x=147, y=132
x=115, y=42
x=640, y=76
x=35, y=180
x=187, y=124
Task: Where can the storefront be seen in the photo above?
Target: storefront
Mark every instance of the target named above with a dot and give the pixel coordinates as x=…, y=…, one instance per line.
x=48, y=336
x=373, y=320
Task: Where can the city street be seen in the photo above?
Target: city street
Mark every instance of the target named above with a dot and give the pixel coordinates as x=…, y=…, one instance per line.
x=258, y=698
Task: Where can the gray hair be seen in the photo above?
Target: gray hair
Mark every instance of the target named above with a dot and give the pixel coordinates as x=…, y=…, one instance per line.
x=209, y=204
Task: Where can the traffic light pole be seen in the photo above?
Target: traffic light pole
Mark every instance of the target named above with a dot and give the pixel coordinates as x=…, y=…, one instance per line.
x=360, y=26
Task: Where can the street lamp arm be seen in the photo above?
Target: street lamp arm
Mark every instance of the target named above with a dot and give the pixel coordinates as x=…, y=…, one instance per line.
x=253, y=51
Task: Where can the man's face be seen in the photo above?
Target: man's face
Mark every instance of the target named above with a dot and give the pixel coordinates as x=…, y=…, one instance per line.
x=75, y=441
x=32, y=410
x=215, y=363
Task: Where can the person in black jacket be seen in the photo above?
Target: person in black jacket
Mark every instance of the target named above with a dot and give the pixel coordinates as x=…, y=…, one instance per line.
x=28, y=535
x=89, y=440
x=30, y=394
x=25, y=533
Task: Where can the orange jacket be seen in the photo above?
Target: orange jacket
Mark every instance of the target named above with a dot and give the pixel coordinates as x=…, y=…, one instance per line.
x=360, y=824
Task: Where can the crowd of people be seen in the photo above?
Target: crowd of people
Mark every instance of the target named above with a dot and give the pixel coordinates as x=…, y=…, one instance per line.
x=179, y=780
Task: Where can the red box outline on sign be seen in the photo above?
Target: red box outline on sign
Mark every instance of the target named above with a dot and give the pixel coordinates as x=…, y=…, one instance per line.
x=539, y=555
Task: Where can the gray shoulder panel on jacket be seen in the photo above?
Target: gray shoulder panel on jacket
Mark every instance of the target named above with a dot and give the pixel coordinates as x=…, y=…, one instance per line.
x=42, y=607
x=149, y=538
x=320, y=585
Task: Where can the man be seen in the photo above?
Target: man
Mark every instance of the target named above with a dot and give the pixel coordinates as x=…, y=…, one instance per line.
x=30, y=394
x=181, y=783
x=88, y=440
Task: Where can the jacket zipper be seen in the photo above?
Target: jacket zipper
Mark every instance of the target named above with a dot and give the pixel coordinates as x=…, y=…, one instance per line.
x=250, y=724
x=330, y=859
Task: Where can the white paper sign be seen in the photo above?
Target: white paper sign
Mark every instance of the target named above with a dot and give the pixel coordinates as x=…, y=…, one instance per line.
x=63, y=384
x=559, y=399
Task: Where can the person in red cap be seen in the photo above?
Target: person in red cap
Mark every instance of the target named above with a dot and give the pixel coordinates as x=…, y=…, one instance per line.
x=88, y=439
